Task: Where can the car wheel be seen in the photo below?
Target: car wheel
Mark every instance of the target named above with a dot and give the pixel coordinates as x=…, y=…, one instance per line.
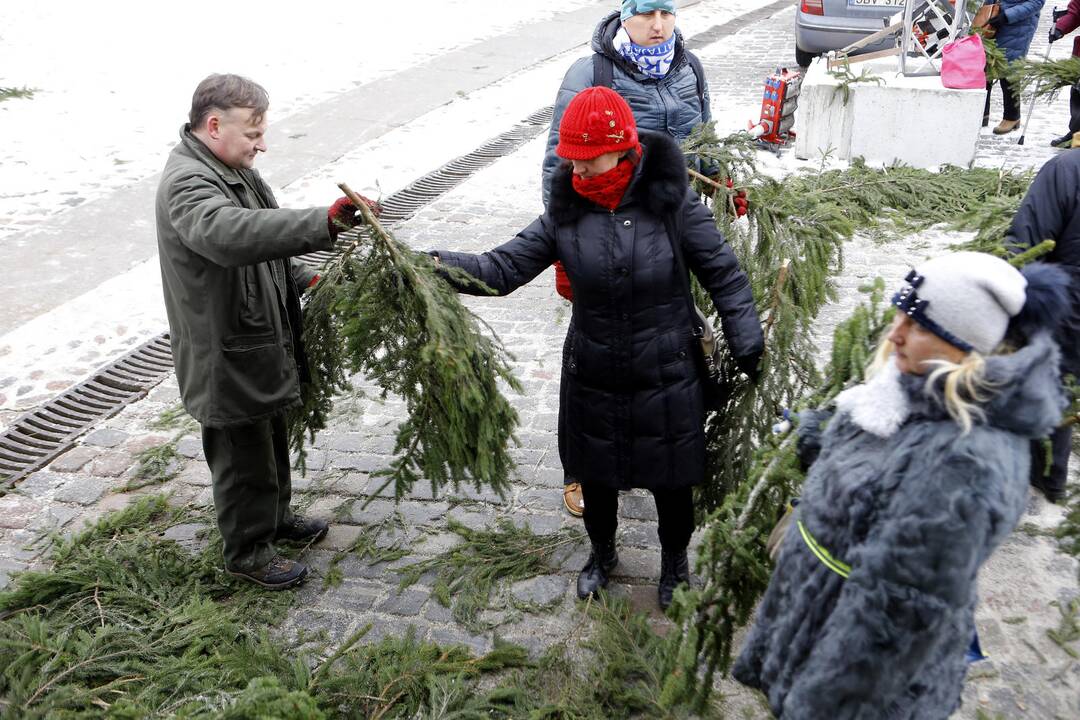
x=804, y=58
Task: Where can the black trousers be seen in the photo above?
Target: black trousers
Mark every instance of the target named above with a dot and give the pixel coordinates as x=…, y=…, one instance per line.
x=1011, y=100
x=674, y=511
x=249, y=467
x=1060, y=449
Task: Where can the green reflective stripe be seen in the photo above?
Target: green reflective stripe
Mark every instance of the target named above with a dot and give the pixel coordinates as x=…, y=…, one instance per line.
x=840, y=568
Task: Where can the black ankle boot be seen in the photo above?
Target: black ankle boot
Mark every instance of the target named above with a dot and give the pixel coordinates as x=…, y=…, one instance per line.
x=602, y=560
x=674, y=571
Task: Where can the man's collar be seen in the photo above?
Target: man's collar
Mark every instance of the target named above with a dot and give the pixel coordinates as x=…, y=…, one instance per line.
x=197, y=146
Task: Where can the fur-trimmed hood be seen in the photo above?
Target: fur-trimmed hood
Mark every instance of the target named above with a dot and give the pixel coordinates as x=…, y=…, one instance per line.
x=659, y=183
x=1024, y=395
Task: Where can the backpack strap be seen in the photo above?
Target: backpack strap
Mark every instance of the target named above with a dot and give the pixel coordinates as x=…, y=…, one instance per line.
x=603, y=70
x=699, y=72
x=603, y=73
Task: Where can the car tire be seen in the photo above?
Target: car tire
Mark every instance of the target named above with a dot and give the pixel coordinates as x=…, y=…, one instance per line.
x=804, y=58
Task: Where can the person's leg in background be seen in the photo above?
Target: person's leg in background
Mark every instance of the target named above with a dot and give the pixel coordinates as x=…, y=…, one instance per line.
x=1011, y=115
x=601, y=522
x=675, y=515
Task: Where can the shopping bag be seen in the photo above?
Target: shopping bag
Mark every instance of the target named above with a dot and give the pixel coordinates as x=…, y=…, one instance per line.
x=963, y=64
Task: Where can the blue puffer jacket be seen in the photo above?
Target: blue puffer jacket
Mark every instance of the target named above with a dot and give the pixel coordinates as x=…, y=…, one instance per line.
x=1014, y=37
x=915, y=507
x=668, y=105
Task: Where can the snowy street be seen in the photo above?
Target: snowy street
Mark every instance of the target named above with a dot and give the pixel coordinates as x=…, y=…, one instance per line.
x=378, y=95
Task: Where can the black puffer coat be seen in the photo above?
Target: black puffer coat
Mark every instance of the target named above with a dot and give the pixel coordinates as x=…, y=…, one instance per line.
x=1051, y=211
x=631, y=410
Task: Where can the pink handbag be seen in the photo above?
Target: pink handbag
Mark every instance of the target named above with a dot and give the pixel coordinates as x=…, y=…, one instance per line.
x=963, y=64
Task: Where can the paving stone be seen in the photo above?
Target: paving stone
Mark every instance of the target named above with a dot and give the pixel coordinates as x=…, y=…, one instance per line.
x=195, y=473
x=341, y=537
x=81, y=491
x=438, y=543
x=42, y=484
x=17, y=511
x=189, y=446
x=357, y=461
x=408, y=602
x=145, y=442
x=73, y=460
x=449, y=637
x=540, y=524
x=336, y=626
x=106, y=437
x=112, y=464
x=192, y=537
x=355, y=596
x=472, y=518
x=637, y=507
x=375, y=512
x=423, y=513
x=435, y=612
x=543, y=590
x=638, y=534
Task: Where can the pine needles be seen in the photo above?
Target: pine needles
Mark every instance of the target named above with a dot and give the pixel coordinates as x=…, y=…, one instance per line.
x=382, y=310
x=11, y=93
x=467, y=574
x=1043, y=79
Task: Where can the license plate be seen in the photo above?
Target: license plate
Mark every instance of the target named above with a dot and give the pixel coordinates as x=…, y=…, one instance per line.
x=876, y=3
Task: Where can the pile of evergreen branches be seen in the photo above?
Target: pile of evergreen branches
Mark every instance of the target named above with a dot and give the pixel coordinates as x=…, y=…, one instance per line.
x=381, y=309
x=127, y=624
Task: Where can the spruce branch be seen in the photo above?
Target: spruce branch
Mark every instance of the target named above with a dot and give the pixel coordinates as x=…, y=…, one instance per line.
x=383, y=310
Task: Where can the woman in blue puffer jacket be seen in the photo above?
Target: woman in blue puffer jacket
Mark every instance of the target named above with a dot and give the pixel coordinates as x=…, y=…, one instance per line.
x=1015, y=25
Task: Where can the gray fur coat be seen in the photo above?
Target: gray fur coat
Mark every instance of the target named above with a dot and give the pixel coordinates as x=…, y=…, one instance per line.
x=915, y=507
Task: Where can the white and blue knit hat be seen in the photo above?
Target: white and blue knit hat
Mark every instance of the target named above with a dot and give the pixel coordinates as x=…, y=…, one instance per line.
x=637, y=7
x=965, y=298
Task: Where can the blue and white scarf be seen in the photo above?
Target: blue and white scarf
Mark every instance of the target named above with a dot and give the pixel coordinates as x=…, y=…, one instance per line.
x=654, y=61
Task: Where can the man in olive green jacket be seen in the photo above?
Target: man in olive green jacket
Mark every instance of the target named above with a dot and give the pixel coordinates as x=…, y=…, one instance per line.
x=232, y=294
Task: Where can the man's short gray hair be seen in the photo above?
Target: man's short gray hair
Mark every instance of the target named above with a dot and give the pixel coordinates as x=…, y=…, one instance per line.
x=225, y=92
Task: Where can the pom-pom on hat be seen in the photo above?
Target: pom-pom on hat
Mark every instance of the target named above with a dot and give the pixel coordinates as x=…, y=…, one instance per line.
x=596, y=121
x=965, y=298
x=636, y=7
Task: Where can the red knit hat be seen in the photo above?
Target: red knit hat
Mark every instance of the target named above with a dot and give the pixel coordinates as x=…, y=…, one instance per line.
x=596, y=121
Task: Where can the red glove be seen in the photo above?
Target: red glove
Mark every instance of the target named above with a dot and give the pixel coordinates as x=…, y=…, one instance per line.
x=562, y=282
x=343, y=215
x=739, y=201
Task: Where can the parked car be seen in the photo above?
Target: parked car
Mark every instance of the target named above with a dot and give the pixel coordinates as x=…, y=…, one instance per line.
x=823, y=25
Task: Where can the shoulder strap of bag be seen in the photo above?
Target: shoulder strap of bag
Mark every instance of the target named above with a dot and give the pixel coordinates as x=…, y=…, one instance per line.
x=603, y=70
x=604, y=73
x=673, y=225
x=699, y=73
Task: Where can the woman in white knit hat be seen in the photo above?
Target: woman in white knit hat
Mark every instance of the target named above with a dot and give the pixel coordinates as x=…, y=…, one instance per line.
x=919, y=474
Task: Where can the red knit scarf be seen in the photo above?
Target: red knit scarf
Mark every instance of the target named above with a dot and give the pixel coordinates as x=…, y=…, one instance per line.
x=606, y=189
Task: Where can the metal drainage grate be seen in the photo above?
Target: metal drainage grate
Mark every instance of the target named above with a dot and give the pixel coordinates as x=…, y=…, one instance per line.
x=37, y=437
x=40, y=435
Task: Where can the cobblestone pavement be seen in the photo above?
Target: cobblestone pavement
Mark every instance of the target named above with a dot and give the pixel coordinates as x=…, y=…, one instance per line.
x=1028, y=675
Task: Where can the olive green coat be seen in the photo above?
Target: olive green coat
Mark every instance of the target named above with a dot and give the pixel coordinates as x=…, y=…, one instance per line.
x=234, y=326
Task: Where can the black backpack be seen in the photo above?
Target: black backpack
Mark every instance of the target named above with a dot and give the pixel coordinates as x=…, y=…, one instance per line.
x=604, y=73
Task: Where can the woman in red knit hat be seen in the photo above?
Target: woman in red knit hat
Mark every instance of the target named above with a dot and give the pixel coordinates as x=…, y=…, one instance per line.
x=631, y=409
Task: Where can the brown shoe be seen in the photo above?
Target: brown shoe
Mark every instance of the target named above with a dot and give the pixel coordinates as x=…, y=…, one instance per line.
x=1006, y=126
x=572, y=500
x=278, y=574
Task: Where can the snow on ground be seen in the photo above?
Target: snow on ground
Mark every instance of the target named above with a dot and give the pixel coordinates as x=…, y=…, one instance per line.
x=114, y=79
x=63, y=346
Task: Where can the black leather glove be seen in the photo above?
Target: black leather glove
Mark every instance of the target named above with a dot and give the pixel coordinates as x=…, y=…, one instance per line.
x=1055, y=34
x=998, y=20
x=751, y=365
